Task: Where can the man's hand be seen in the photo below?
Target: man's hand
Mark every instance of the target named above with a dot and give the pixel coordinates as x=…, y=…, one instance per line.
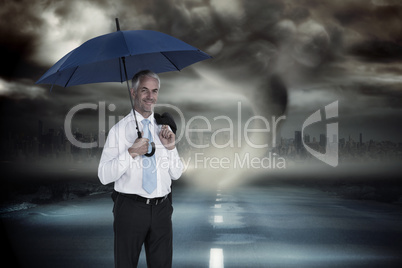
x=139, y=147
x=167, y=138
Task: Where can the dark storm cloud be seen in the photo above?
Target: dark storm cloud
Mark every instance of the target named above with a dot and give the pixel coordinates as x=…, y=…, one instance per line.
x=17, y=40
x=378, y=51
x=380, y=21
x=382, y=94
x=204, y=23
x=269, y=49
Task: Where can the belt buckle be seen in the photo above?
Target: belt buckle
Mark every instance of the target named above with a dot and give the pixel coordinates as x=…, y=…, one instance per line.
x=148, y=201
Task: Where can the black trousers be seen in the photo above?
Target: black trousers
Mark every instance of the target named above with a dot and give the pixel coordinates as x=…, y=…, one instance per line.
x=136, y=224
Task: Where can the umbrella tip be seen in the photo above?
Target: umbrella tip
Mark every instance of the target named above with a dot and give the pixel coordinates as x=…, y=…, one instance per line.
x=117, y=24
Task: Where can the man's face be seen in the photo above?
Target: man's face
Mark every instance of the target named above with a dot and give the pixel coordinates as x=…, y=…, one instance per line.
x=146, y=95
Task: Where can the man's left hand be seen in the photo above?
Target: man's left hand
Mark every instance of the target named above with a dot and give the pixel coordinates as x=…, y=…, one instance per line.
x=167, y=138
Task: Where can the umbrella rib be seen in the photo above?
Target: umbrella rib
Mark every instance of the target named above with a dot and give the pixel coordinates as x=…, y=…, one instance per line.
x=71, y=76
x=54, y=81
x=170, y=61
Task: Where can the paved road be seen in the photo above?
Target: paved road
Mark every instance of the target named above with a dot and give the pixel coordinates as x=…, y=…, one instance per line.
x=278, y=226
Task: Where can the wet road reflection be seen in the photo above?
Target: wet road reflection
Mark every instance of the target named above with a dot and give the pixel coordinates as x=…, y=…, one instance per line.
x=278, y=226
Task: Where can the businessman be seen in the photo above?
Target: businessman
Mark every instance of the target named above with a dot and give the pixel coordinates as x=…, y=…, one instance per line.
x=142, y=210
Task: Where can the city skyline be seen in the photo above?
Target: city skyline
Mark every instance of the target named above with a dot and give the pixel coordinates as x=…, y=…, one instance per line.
x=58, y=138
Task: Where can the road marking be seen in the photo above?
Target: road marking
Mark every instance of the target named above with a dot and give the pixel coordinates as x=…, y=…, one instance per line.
x=218, y=205
x=218, y=219
x=216, y=258
x=219, y=199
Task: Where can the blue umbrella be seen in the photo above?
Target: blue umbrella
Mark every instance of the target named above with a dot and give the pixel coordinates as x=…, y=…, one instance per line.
x=108, y=58
x=101, y=59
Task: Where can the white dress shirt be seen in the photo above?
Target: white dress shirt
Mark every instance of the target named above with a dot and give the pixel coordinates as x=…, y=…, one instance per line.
x=116, y=164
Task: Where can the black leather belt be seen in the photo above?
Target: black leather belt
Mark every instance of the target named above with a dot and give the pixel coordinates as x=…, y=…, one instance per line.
x=148, y=201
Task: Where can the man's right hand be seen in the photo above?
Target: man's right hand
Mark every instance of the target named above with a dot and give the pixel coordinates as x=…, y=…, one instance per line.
x=139, y=147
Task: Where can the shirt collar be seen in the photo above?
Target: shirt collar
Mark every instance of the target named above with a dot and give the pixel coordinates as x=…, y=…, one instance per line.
x=140, y=117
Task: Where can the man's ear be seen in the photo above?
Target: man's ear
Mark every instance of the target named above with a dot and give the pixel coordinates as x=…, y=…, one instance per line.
x=132, y=91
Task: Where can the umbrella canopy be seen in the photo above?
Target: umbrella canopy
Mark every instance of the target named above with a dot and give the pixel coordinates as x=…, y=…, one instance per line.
x=100, y=59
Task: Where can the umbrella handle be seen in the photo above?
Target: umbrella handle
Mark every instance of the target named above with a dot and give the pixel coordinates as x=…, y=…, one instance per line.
x=152, y=151
x=152, y=145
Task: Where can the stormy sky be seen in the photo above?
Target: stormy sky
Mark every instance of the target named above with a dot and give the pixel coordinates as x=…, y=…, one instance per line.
x=273, y=57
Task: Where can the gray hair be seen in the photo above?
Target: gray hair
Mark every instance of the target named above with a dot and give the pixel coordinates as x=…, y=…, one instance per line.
x=135, y=82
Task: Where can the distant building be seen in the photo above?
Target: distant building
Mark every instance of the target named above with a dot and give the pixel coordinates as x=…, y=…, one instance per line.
x=342, y=142
x=298, y=141
x=335, y=138
x=323, y=140
x=307, y=138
